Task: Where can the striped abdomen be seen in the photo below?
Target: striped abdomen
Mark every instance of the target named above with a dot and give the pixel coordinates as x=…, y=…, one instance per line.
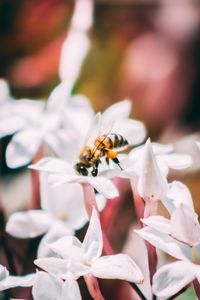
x=111, y=141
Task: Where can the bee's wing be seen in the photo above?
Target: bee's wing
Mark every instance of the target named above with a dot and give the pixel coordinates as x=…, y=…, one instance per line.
x=93, y=131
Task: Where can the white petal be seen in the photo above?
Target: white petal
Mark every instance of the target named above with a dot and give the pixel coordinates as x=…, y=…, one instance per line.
x=14, y=281
x=74, y=51
x=119, y=110
x=3, y=273
x=46, y=286
x=65, y=202
x=68, y=247
x=177, y=194
x=93, y=242
x=22, y=148
x=152, y=186
x=177, y=161
x=198, y=145
x=70, y=290
x=158, y=222
x=57, y=230
x=63, y=268
x=159, y=149
x=28, y=224
x=134, y=131
x=59, y=96
x=165, y=243
x=29, y=110
x=119, y=266
x=10, y=125
x=185, y=226
x=52, y=165
x=4, y=91
x=104, y=186
x=171, y=278
x=101, y=201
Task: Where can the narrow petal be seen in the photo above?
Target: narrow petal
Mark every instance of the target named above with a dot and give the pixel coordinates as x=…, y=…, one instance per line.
x=165, y=243
x=52, y=165
x=3, y=273
x=59, y=96
x=158, y=223
x=22, y=148
x=14, y=281
x=185, y=226
x=4, y=91
x=119, y=266
x=93, y=242
x=28, y=224
x=10, y=125
x=46, y=286
x=152, y=186
x=104, y=186
x=171, y=278
x=159, y=149
x=177, y=194
x=70, y=290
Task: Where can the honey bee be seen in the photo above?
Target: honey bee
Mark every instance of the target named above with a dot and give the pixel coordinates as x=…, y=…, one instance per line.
x=105, y=145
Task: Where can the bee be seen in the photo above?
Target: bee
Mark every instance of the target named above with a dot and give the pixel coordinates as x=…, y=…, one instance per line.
x=105, y=145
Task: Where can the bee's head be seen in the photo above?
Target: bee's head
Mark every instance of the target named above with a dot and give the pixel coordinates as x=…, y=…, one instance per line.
x=81, y=169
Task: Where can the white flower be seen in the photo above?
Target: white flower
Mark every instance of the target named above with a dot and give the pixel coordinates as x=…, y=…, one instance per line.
x=63, y=212
x=79, y=259
x=180, y=238
x=33, y=124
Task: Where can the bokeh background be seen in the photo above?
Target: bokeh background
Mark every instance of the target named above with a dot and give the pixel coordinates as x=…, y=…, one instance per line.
x=146, y=50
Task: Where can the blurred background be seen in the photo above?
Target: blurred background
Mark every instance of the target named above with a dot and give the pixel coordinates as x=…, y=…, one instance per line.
x=146, y=50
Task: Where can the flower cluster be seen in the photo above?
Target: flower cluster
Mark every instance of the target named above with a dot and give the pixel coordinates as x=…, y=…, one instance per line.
x=52, y=137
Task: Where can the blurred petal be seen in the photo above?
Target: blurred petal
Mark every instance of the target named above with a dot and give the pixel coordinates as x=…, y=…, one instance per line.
x=4, y=91
x=177, y=161
x=119, y=266
x=185, y=226
x=14, y=281
x=198, y=145
x=10, y=125
x=134, y=131
x=119, y=110
x=93, y=241
x=165, y=243
x=52, y=165
x=159, y=149
x=46, y=286
x=68, y=247
x=74, y=51
x=28, y=224
x=158, y=223
x=59, y=97
x=171, y=278
x=22, y=148
x=70, y=290
x=177, y=194
x=3, y=273
x=57, y=230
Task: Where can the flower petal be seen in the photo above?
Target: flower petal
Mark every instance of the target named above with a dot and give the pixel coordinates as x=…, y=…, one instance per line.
x=177, y=194
x=10, y=125
x=52, y=165
x=134, y=131
x=158, y=222
x=177, y=161
x=3, y=273
x=22, y=148
x=67, y=247
x=4, y=91
x=165, y=243
x=119, y=110
x=119, y=266
x=152, y=185
x=93, y=242
x=59, y=97
x=185, y=226
x=46, y=286
x=104, y=186
x=28, y=224
x=14, y=281
x=70, y=290
x=171, y=278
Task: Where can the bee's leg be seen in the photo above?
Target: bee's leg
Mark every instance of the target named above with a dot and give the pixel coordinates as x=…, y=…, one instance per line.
x=95, y=168
x=113, y=155
x=107, y=160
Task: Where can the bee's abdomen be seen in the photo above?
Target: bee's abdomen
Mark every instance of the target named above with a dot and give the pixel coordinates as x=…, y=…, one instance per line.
x=114, y=140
